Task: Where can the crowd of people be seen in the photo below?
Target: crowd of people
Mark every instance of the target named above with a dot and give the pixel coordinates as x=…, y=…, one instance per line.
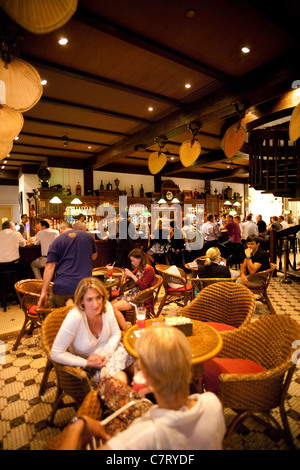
x=90, y=335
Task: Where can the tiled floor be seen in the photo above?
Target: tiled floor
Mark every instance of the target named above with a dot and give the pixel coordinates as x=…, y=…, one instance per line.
x=24, y=414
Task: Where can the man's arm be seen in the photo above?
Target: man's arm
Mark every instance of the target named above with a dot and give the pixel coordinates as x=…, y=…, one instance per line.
x=47, y=278
x=95, y=256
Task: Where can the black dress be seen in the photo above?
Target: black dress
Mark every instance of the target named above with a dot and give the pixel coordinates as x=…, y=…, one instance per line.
x=214, y=270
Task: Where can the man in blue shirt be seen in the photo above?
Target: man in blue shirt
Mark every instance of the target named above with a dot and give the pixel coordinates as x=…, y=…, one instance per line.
x=71, y=257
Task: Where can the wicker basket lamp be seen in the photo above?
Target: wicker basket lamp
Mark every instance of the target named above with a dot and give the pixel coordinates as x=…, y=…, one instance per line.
x=5, y=148
x=22, y=83
x=40, y=17
x=11, y=123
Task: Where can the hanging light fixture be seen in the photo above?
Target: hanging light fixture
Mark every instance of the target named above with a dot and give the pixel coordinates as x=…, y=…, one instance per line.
x=227, y=203
x=237, y=203
x=175, y=200
x=146, y=213
x=76, y=201
x=55, y=200
x=162, y=201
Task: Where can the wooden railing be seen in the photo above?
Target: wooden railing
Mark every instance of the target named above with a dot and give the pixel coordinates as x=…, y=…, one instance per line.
x=283, y=249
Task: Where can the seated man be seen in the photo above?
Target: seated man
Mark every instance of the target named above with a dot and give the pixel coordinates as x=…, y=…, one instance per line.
x=256, y=260
x=44, y=237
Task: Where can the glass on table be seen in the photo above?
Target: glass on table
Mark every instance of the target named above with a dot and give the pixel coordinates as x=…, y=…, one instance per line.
x=110, y=271
x=141, y=318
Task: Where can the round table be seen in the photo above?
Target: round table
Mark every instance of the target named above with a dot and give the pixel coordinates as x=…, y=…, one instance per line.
x=205, y=343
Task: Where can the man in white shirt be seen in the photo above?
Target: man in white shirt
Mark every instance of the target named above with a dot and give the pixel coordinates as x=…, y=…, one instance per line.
x=10, y=241
x=44, y=237
x=250, y=227
x=211, y=234
x=282, y=222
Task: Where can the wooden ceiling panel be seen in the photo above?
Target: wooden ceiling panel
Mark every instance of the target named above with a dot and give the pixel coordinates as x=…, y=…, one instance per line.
x=224, y=28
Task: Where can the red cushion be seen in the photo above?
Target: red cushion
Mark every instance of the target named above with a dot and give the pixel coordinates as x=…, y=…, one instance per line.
x=220, y=326
x=180, y=289
x=218, y=365
x=115, y=293
x=32, y=310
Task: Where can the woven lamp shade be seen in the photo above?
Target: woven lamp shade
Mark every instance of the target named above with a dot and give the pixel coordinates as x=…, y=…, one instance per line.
x=11, y=123
x=22, y=83
x=40, y=16
x=234, y=139
x=294, y=127
x=5, y=148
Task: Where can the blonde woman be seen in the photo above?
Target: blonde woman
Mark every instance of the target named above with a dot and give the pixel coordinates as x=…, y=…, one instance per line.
x=213, y=265
x=89, y=337
x=178, y=421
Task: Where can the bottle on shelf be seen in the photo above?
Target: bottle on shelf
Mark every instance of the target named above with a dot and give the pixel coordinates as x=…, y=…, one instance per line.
x=109, y=186
x=101, y=186
x=132, y=191
x=78, y=189
x=142, y=191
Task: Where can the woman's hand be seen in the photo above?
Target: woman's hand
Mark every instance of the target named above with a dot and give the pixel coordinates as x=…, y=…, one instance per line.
x=96, y=362
x=244, y=279
x=128, y=272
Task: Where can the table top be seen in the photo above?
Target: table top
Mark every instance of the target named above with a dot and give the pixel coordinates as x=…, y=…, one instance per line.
x=205, y=341
x=193, y=266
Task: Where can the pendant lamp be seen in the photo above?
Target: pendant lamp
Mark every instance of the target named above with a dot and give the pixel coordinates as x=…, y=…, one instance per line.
x=76, y=201
x=22, y=84
x=5, y=148
x=40, y=16
x=11, y=123
x=55, y=200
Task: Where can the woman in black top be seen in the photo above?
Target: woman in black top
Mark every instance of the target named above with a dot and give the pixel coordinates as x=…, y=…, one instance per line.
x=211, y=266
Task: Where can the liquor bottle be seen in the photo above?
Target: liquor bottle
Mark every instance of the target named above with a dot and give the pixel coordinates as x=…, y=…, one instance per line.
x=109, y=187
x=142, y=191
x=101, y=186
x=78, y=189
x=132, y=191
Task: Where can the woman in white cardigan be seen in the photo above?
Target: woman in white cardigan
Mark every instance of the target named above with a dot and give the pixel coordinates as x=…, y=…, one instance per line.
x=89, y=337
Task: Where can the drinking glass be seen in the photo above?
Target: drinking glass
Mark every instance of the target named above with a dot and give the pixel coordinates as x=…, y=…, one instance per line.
x=110, y=270
x=141, y=318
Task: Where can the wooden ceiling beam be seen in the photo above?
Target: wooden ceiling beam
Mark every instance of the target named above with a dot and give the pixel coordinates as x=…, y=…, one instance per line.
x=126, y=35
x=88, y=77
x=92, y=109
x=265, y=83
x=69, y=141
x=74, y=126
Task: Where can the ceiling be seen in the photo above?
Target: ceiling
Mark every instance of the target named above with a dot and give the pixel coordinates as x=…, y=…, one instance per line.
x=124, y=56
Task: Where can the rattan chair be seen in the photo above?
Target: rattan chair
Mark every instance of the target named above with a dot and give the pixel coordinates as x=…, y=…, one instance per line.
x=118, y=273
x=263, y=280
x=223, y=302
x=269, y=342
x=28, y=292
x=181, y=295
x=199, y=283
x=147, y=297
x=91, y=406
x=72, y=381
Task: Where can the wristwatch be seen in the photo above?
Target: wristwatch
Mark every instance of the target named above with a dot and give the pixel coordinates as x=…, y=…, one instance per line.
x=248, y=257
x=76, y=418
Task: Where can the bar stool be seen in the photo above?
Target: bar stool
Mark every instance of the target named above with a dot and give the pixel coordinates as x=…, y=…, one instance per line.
x=7, y=280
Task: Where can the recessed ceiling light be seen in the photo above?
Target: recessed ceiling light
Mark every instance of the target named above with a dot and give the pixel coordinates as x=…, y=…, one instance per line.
x=187, y=85
x=17, y=138
x=5, y=161
x=8, y=155
x=2, y=167
x=245, y=50
x=190, y=13
x=63, y=41
x=150, y=108
x=44, y=82
x=89, y=147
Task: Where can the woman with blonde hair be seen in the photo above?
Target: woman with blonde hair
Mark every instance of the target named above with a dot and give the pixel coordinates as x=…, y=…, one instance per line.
x=89, y=337
x=178, y=421
x=213, y=266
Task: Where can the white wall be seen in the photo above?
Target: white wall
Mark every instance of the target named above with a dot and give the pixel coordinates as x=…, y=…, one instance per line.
x=265, y=204
x=65, y=177
x=9, y=197
x=126, y=180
